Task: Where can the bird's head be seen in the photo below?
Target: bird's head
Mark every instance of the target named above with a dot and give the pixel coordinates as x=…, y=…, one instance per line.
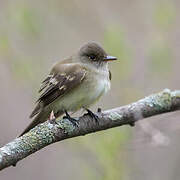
x=92, y=53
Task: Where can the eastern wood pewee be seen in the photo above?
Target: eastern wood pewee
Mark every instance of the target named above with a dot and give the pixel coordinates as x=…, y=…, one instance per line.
x=74, y=83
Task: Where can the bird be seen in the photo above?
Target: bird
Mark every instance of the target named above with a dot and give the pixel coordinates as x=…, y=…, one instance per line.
x=72, y=84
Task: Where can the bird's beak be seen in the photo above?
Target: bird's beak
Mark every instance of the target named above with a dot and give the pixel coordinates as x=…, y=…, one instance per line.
x=110, y=58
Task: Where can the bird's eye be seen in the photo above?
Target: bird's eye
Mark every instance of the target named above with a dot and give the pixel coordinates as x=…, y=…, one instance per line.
x=92, y=57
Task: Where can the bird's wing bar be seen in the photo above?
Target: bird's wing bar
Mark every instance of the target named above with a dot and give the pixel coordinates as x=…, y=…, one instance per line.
x=58, y=84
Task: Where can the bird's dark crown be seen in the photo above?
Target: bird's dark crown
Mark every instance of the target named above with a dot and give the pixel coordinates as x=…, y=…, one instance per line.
x=93, y=51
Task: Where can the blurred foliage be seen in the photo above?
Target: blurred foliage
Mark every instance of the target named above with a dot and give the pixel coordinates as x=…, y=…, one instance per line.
x=26, y=20
x=24, y=69
x=108, y=151
x=106, y=147
x=160, y=53
x=160, y=60
x=115, y=43
x=4, y=45
x=25, y=24
x=165, y=14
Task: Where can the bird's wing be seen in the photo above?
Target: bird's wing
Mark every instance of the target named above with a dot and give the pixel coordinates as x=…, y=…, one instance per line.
x=61, y=81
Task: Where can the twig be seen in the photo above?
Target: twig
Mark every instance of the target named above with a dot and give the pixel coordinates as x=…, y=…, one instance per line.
x=48, y=132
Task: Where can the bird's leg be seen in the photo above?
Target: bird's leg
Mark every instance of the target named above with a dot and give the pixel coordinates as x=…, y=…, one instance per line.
x=132, y=124
x=14, y=164
x=99, y=110
x=91, y=114
x=73, y=120
x=52, y=118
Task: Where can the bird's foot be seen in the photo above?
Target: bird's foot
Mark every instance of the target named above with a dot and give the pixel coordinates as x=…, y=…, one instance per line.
x=52, y=118
x=99, y=110
x=14, y=164
x=72, y=120
x=91, y=114
x=132, y=124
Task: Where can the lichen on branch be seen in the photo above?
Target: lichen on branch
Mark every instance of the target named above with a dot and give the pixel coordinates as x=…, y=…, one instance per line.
x=50, y=132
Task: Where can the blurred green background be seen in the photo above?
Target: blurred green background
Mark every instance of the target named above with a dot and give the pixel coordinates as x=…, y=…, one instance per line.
x=144, y=35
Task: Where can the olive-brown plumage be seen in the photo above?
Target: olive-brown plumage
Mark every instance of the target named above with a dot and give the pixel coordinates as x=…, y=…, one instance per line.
x=74, y=83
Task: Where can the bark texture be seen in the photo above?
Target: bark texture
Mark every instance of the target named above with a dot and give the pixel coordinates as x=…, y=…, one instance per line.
x=51, y=132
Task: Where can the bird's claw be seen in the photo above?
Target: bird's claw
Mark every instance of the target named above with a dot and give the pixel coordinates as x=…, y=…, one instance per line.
x=14, y=164
x=99, y=110
x=132, y=124
x=91, y=114
x=72, y=120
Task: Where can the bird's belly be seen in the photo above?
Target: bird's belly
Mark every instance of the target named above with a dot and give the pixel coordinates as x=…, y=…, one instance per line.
x=82, y=96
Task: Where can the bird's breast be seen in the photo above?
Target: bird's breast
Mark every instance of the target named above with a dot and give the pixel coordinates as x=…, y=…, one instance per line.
x=87, y=93
x=96, y=85
x=101, y=84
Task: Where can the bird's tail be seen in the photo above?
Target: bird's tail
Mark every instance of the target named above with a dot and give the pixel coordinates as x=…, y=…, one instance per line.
x=37, y=120
x=40, y=118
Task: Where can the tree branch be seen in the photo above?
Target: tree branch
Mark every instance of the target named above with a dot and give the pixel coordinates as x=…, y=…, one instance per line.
x=48, y=132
